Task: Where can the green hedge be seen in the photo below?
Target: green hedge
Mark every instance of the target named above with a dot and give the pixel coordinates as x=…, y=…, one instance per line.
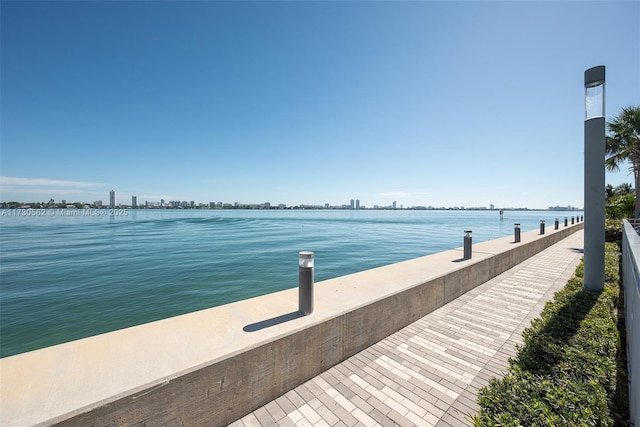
x=565, y=372
x=613, y=230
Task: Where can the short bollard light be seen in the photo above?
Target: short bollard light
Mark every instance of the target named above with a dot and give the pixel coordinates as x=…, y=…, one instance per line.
x=467, y=244
x=516, y=232
x=566, y=221
x=572, y=220
x=305, y=282
x=582, y=218
x=542, y=226
x=556, y=224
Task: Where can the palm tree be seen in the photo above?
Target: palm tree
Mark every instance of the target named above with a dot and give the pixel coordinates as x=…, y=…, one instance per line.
x=624, y=144
x=622, y=189
x=609, y=192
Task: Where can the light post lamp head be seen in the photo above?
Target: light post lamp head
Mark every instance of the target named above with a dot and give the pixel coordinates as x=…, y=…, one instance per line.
x=594, y=92
x=305, y=259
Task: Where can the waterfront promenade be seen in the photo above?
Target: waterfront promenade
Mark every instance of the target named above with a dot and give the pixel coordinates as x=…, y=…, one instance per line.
x=428, y=373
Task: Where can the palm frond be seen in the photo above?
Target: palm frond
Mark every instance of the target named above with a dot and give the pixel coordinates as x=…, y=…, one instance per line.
x=624, y=141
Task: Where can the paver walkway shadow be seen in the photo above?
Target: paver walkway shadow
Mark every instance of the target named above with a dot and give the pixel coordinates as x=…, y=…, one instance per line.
x=428, y=374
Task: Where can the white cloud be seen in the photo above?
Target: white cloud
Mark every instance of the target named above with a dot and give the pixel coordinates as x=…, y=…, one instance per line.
x=28, y=182
x=46, y=191
x=157, y=197
x=403, y=194
x=26, y=189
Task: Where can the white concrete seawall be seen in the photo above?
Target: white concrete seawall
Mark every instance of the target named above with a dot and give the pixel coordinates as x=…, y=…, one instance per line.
x=214, y=366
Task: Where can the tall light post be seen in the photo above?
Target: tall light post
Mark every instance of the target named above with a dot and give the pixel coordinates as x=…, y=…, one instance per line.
x=594, y=195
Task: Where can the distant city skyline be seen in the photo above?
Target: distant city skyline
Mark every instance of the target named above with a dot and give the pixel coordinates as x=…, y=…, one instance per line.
x=422, y=103
x=353, y=204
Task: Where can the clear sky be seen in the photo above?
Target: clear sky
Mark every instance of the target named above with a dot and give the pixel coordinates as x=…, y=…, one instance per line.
x=425, y=103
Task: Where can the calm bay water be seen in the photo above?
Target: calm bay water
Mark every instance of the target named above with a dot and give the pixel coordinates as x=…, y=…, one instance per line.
x=65, y=277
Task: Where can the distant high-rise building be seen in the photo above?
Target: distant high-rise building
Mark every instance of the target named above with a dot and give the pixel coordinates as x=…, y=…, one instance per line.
x=492, y=206
x=394, y=204
x=357, y=203
x=352, y=203
x=112, y=198
x=134, y=201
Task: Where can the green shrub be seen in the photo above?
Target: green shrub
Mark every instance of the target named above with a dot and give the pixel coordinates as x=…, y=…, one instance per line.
x=521, y=398
x=565, y=371
x=613, y=230
x=621, y=206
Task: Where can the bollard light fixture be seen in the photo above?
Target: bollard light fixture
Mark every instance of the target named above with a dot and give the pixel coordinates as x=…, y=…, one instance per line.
x=467, y=244
x=305, y=282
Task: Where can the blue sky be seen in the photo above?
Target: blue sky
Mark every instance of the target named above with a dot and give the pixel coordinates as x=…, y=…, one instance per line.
x=425, y=103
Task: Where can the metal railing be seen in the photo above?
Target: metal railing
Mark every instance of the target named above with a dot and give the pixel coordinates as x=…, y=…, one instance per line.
x=631, y=280
x=635, y=223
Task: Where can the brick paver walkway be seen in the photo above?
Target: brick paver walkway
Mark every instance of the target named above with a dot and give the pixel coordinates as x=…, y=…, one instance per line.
x=428, y=373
